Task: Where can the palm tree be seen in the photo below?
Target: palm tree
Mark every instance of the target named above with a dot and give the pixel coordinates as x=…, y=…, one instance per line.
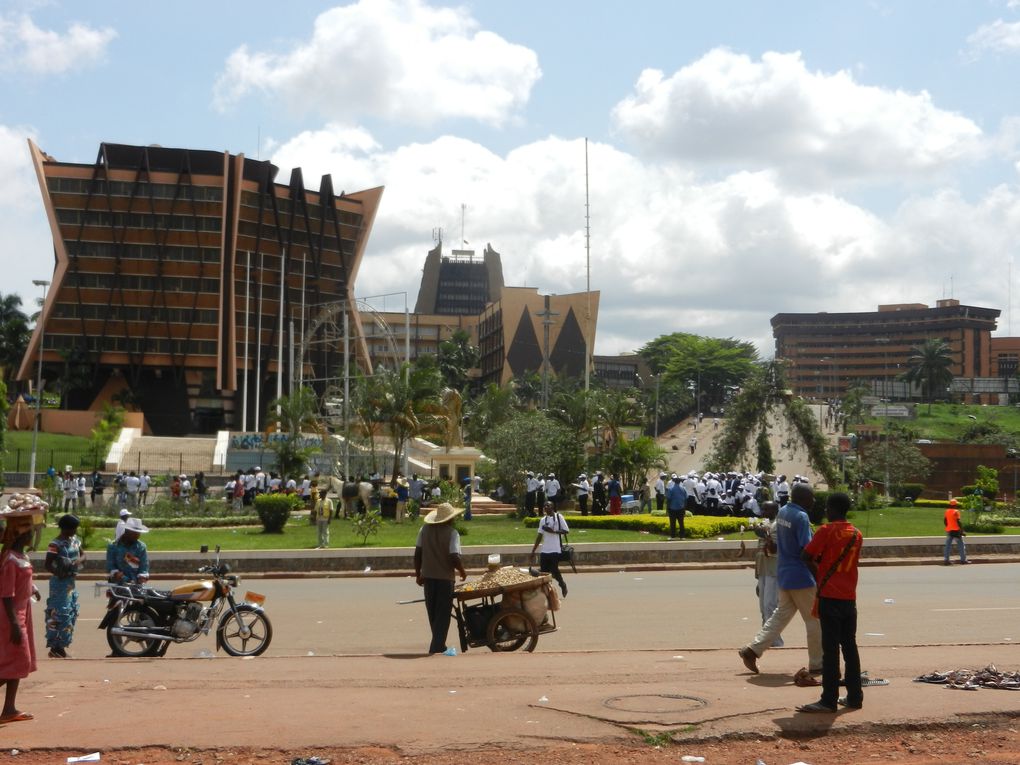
x=290, y=417
x=495, y=406
x=410, y=405
x=929, y=366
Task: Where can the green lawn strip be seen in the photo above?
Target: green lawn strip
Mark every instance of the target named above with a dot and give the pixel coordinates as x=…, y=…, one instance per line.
x=948, y=422
x=501, y=530
x=301, y=535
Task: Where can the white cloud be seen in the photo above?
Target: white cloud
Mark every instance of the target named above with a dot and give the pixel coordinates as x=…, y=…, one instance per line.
x=726, y=108
x=999, y=37
x=26, y=47
x=670, y=250
x=395, y=59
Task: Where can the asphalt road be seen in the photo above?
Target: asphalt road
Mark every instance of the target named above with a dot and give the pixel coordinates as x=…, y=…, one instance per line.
x=930, y=605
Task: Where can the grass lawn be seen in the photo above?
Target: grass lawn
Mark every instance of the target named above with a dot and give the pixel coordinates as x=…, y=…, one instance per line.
x=301, y=535
x=488, y=530
x=947, y=422
x=57, y=449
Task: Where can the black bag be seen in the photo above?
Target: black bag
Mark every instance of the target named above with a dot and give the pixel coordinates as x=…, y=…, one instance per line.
x=567, y=553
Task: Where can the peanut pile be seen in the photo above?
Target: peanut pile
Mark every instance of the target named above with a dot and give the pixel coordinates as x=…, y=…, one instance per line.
x=499, y=578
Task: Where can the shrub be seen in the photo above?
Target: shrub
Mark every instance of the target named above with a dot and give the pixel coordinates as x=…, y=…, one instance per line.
x=366, y=524
x=984, y=526
x=274, y=510
x=696, y=527
x=912, y=490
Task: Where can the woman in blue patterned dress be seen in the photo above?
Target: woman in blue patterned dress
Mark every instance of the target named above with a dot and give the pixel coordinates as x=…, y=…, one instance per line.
x=64, y=558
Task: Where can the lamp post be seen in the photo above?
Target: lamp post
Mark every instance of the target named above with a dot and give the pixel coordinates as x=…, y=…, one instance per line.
x=38, y=383
x=884, y=342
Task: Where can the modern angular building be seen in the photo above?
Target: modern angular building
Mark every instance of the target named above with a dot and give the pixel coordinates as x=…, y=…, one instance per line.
x=178, y=277
x=459, y=283
x=520, y=330
x=828, y=353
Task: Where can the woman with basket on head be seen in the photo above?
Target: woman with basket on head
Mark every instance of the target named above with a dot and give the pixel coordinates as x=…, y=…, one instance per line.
x=17, y=642
x=550, y=530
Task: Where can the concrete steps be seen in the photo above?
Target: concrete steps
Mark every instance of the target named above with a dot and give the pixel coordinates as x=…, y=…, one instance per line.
x=163, y=455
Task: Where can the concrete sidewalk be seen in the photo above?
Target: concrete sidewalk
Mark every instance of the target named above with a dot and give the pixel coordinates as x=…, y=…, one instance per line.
x=480, y=699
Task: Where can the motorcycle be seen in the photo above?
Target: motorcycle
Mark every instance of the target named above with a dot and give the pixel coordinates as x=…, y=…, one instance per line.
x=143, y=621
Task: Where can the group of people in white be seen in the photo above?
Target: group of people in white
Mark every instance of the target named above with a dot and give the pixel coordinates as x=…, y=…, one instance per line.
x=730, y=493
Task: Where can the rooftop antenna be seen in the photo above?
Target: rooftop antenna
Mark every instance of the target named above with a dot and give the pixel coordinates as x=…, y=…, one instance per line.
x=463, y=212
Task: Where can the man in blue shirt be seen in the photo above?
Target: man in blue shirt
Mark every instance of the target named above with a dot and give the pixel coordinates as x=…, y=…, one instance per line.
x=796, y=583
x=676, y=503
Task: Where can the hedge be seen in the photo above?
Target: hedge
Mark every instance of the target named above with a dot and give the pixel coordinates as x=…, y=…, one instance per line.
x=696, y=527
x=181, y=523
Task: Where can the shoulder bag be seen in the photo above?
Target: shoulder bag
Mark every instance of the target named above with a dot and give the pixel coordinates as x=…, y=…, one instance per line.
x=831, y=571
x=566, y=549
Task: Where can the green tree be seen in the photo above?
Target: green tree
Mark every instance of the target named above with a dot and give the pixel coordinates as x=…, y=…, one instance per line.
x=631, y=459
x=494, y=406
x=528, y=388
x=612, y=410
x=681, y=359
x=409, y=404
x=456, y=357
x=765, y=462
x=763, y=393
x=929, y=366
x=288, y=419
x=853, y=405
x=528, y=441
x=894, y=461
x=14, y=335
x=986, y=486
x=106, y=431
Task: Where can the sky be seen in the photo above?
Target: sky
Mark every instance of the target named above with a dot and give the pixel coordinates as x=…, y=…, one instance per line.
x=744, y=158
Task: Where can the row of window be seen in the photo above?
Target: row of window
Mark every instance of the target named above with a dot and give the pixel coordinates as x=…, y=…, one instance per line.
x=143, y=252
x=135, y=189
x=132, y=345
x=296, y=236
x=132, y=282
x=134, y=313
x=283, y=205
x=139, y=220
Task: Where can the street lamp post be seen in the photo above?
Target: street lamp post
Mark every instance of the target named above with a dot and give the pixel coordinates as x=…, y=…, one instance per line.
x=38, y=384
x=884, y=342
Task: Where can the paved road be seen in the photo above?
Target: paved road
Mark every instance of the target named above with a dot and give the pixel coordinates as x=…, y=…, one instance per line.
x=653, y=651
x=612, y=611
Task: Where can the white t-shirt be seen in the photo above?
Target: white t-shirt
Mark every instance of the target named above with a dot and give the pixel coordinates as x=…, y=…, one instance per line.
x=143, y=482
x=550, y=527
x=552, y=488
x=583, y=488
x=131, y=484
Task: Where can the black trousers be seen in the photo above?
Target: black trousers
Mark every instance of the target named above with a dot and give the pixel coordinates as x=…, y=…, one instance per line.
x=582, y=502
x=529, y=503
x=439, y=607
x=839, y=633
x=676, y=518
x=660, y=501
x=549, y=563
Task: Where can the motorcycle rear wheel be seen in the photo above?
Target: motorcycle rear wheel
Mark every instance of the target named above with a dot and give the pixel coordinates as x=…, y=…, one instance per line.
x=245, y=632
x=133, y=617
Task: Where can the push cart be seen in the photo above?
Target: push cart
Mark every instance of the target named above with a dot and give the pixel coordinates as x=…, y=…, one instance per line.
x=502, y=617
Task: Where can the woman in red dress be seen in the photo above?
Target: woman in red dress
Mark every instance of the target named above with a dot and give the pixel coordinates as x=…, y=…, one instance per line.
x=17, y=640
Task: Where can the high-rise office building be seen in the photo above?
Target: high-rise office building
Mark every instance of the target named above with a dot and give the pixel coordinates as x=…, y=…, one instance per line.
x=180, y=276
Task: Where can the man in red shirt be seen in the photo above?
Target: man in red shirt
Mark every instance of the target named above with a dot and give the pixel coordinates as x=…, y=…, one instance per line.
x=835, y=549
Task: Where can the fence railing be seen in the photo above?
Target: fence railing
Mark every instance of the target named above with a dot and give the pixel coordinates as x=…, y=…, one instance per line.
x=86, y=460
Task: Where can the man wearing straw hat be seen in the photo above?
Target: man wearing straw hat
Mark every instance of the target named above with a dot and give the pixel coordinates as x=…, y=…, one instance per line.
x=436, y=562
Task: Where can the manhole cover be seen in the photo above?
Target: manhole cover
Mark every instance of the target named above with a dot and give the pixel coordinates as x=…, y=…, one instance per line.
x=655, y=703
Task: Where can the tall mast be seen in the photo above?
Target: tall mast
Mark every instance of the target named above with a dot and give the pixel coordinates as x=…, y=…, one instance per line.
x=587, y=273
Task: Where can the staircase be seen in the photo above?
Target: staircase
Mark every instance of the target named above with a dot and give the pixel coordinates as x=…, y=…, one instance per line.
x=163, y=455
x=485, y=506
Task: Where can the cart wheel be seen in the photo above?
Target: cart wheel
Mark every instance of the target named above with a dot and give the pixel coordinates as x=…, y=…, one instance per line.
x=510, y=629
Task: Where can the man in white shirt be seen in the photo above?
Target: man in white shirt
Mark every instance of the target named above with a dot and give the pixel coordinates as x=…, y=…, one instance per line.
x=552, y=490
x=713, y=490
x=132, y=485
x=660, y=491
x=260, y=481
x=583, y=490
x=144, y=481
x=185, y=489
x=530, y=493
x=124, y=515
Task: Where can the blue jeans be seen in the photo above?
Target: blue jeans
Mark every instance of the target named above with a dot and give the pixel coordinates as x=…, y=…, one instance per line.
x=958, y=536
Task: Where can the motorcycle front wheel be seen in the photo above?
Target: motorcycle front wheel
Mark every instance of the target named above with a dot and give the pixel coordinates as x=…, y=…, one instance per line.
x=246, y=631
x=133, y=617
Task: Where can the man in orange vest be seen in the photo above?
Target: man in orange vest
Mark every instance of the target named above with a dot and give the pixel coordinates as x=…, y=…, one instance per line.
x=954, y=531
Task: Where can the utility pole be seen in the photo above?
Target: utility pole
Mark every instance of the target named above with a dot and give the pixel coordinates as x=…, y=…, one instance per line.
x=546, y=316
